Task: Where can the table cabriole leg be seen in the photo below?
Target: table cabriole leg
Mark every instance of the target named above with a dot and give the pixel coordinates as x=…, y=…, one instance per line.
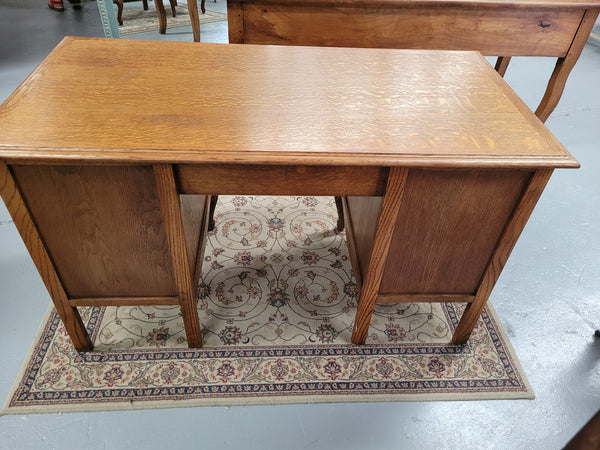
x=194, y=18
x=564, y=66
x=162, y=16
x=502, y=64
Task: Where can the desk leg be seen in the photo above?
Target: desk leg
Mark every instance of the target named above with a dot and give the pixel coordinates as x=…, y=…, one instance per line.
x=194, y=18
x=20, y=213
x=169, y=202
x=564, y=65
x=507, y=241
x=385, y=230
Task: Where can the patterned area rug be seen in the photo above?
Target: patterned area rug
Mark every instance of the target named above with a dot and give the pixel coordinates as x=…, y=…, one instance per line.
x=276, y=302
x=136, y=20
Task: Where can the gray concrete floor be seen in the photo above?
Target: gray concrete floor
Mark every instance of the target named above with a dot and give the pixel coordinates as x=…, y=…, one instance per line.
x=548, y=299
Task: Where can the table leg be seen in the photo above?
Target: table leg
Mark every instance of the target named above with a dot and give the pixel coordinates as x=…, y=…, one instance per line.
x=194, y=18
x=385, y=230
x=564, y=65
x=22, y=218
x=169, y=202
x=211, y=213
x=502, y=64
x=340, y=210
x=499, y=257
x=173, y=5
x=119, y=11
x=162, y=16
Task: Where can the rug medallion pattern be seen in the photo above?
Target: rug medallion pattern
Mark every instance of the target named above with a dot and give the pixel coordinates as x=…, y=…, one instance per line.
x=276, y=303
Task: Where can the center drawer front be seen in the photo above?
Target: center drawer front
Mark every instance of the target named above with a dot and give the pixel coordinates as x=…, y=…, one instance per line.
x=240, y=179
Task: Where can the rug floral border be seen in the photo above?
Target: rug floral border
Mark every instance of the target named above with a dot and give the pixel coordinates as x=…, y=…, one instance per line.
x=24, y=400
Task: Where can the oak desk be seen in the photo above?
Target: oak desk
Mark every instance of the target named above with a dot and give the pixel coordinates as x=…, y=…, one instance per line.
x=440, y=161
x=504, y=28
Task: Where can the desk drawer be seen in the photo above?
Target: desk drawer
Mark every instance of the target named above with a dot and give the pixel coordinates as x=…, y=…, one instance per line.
x=497, y=31
x=234, y=179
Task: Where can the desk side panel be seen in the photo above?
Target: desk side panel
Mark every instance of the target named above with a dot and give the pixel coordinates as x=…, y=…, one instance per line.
x=494, y=31
x=102, y=227
x=449, y=224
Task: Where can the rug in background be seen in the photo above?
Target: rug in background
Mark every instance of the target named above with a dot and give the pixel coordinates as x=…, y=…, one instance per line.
x=136, y=20
x=276, y=302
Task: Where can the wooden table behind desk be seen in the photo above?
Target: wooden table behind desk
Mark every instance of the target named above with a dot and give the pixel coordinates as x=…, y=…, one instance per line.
x=495, y=28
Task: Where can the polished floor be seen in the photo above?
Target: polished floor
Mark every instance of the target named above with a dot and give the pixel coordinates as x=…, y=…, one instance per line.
x=548, y=299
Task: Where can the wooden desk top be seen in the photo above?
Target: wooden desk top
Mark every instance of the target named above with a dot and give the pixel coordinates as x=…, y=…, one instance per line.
x=108, y=100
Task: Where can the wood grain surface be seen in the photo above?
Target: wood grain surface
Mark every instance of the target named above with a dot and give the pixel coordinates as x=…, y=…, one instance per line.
x=186, y=290
x=386, y=223
x=103, y=227
x=232, y=179
x=15, y=203
x=500, y=255
x=270, y=104
x=448, y=225
x=439, y=26
x=362, y=216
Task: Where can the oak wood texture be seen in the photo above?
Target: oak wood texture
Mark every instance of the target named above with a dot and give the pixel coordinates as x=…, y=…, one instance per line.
x=15, y=204
x=448, y=226
x=381, y=247
x=236, y=179
x=293, y=106
x=425, y=298
x=361, y=215
x=498, y=31
x=170, y=207
x=193, y=215
x=107, y=239
x=124, y=301
x=500, y=255
x=497, y=27
x=103, y=227
x=446, y=239
x=425, y=146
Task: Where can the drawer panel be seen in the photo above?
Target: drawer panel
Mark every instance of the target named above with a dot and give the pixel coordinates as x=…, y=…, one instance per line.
x=237, y=179
x=495, y=31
